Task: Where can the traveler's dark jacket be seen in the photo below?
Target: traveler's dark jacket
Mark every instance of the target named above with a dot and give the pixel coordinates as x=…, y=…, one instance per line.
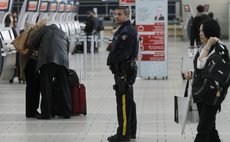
x=124, y=45
x=52, y=45
x=90, y=25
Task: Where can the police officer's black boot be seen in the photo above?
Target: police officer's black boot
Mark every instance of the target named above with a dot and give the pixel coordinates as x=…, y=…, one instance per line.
x=117, y=138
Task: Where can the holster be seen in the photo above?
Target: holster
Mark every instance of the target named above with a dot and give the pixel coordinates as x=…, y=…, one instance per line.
x=120, y=86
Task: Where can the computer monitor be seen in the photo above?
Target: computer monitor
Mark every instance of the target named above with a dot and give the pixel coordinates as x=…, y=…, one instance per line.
x=61, y=7
x=4, y=5
x=75, y=8
x=53, y=6
x=44, y=6
x=68, y=7
x=186, y=8
x=32, y=6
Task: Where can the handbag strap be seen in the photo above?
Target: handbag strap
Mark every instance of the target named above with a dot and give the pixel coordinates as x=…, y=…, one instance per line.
x=186, y=89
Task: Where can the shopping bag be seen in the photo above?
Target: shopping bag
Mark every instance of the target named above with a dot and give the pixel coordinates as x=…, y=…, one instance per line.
x=193, y=115
x=20, y=44
x=181, y=107
x=185, y=110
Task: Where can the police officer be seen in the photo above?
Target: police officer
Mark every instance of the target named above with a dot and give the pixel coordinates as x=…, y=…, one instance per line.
x=121, y=61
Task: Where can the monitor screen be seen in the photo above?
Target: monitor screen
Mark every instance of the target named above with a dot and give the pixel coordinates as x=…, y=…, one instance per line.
x=61, y=7
x=75, y=8
x=4, y=5
x=44, y=6
x=53, y=6
x=186, y=8
x=32, y=6
x=206, y=7
x=68, y=7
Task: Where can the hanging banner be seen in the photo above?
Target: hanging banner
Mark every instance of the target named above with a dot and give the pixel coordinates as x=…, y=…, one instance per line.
x=126, y=2
x=151, y=24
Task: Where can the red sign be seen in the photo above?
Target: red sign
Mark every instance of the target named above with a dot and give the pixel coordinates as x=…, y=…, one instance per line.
x=157, y=27
x=127, y=2
x=152, y=42
x=157, y=56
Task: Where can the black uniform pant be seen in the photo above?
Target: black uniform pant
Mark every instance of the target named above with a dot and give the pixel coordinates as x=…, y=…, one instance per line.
x=207, y=125
x=32, y=88
x=126, y=107
x=47, y=73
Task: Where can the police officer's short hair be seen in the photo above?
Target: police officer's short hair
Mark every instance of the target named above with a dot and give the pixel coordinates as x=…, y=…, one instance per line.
x=200, y=8
x=125, y=9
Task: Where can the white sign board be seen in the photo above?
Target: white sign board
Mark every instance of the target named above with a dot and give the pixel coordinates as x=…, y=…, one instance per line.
x=151, y=24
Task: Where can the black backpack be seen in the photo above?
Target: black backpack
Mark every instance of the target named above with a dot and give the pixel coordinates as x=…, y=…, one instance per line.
x=215, y=77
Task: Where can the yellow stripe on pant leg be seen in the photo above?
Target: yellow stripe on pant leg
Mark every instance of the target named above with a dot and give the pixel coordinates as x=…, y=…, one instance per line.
x=124, y=114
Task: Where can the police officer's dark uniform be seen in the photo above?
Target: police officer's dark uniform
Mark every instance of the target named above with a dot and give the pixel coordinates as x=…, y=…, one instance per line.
x=121, y=60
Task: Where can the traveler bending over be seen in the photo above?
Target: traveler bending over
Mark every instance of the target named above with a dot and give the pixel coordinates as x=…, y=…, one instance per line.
x=28, y=71
x=53, y=47
x=209, y=34
x=121, y=61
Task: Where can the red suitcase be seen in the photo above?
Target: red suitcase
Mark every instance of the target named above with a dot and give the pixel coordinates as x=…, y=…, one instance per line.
x=78, y=94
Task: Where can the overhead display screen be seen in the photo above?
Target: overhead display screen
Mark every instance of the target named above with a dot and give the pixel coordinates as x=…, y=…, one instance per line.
x=75, y=8
x=68, y=7
x=53, y=7
x=44, y=6
x=32, y=6
x=61, y=7
x=4, y=5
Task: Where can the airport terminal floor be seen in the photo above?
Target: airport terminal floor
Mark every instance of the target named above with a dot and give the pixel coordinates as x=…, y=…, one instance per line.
x=154, y=100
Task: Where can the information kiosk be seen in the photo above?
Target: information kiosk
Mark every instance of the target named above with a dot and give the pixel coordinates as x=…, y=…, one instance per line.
x=53, y=6
x=7, y=56
x=29, y=13
x=76, y=23
x=43, y=10
x=68, y=11
x=8, y=52
x=61, y=12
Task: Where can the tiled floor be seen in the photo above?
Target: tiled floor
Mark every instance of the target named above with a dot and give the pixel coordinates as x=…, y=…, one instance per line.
x=154, y=99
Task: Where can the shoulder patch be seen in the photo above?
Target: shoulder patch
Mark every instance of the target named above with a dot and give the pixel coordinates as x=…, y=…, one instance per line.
x=123, y=37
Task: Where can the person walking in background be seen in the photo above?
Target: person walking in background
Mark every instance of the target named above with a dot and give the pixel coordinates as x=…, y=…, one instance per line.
x=90, y=27
x=211, y=15
x=53, y=61
x=209, y=36
x=121, y=61
x=15, y=19
x=9, y=21
x=197, y=20
x=90, y=23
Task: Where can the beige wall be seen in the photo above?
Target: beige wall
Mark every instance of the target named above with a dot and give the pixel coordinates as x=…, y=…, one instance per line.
x=218, y=7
